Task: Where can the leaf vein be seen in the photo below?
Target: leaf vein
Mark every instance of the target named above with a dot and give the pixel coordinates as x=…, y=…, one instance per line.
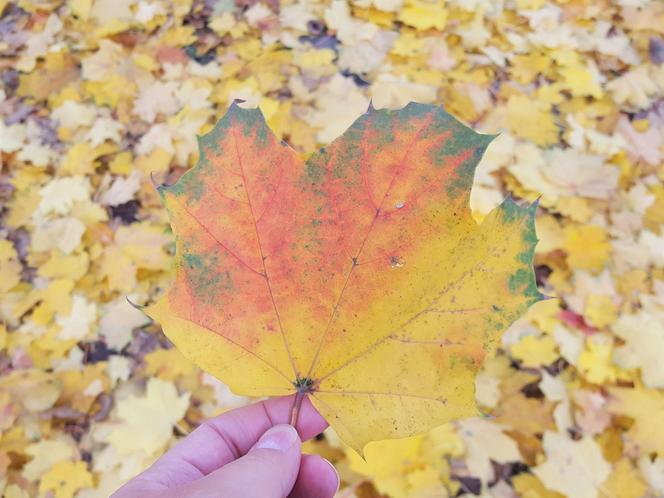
x=380, y=341
x=249, y=351
x=220, y=243
x=364, y=240
x=383, y=393
x=262, y=255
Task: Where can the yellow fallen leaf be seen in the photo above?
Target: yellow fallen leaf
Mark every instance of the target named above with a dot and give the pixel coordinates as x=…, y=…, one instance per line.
x=485, y=442
x=645, y=406
x=56, y=298
x=535, y=351
x=595, y=361
x=625, y=481
x=10, y=266
x=529, y=486
x=573, y=468
x=386, y=462
x=600, y=310
x=65, y=478
x=643, y=334
x=45, y=454
x=530, y=119
x=147, y=421
x=34, y=389
x=60, y=265
x=121, y=164
x=80, y=8
x=168, y=364
x=587, y=247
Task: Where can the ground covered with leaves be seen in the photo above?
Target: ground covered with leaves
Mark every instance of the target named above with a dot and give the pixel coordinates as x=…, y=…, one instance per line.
x=96, y=95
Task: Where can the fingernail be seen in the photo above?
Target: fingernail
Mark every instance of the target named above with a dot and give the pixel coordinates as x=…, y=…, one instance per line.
x=279, y=437
x=337, y=474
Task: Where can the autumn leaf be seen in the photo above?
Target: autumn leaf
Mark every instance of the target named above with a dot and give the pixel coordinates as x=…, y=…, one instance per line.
x=645, y=407
x=358, y=278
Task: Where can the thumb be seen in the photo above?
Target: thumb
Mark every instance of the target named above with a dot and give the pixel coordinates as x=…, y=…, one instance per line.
x=268, y=470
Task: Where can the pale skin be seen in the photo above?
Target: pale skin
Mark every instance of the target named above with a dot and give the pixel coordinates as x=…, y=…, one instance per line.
x=250, y=451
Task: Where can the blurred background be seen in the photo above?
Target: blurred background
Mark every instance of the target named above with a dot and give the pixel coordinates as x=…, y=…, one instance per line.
x=97, y=94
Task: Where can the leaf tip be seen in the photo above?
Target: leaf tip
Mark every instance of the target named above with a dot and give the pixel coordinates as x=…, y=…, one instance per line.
x=535, y=204
x=487, y=138
x=158, y=186
x=371, y=108
x=134, y=305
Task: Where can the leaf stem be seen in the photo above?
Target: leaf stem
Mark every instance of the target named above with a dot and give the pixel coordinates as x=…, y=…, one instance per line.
x=295, y=410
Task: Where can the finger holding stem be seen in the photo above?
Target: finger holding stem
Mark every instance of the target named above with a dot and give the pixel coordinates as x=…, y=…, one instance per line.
x=295, y=411
x=304, y=386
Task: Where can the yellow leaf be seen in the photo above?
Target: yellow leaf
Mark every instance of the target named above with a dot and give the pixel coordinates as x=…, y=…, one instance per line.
x=79, y=160
x=56, y=298
x=625, y=481
x=444, y=440
x=112, y=27
x=65, y=478
x=580, y=81
x=118, y=269
x=269, y=107
x=424, y=14
x=535, y=351
x=168, y=364
x=643, y=334
x=544, y=314
x=10, y=266
x=485, y=443
x=3, y=336
x=145, y=61
x=60, y=265
x=81, y=157
x=156, y=161
x=573, y=468
x=576, y=208
x=314, y=58
x=386, y=463
x=600, y=310
x=587, y=247
x=529, y=486
x=144, y=244
x=81, y=387
x=525, y=68
x=595, y=361
x=111, y=91
x=35, y=390
x=147, y=421
x=179, y=36
x=532, y=120
x=408, y=45
x=14, y=491
x=645, y=406
x=121, y=164
x=80, y=8
x=46, y=454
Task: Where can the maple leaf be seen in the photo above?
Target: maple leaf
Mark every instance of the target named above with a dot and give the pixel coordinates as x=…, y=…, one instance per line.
x=645, y=407
x=359, y=278
x=574, y=468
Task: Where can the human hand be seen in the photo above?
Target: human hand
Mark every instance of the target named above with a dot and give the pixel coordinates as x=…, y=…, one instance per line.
x=248, y=452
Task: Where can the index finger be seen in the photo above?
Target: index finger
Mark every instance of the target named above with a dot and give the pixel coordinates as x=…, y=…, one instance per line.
x=227, y=437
